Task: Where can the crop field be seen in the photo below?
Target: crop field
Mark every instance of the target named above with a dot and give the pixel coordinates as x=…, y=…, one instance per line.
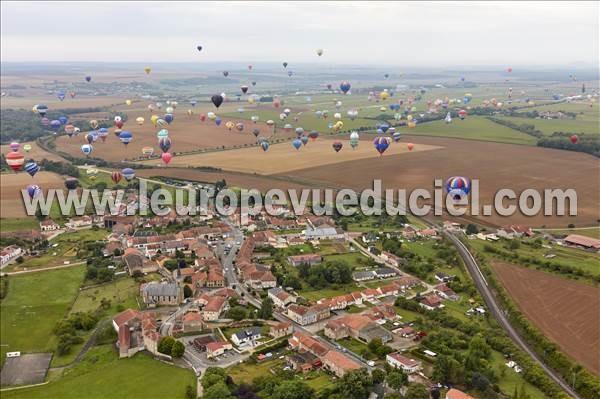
x=34, y=304
x=581, y=124
x=12, y=183
x=36, y=153
x=281, y=158
x=565, y=311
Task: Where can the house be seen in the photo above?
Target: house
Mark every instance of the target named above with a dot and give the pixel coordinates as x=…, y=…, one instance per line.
x=515, y=231
x=370, y=294
x=305, y=315
x=309, y=259
x=385, y=272
x=9, y=253
x=390, y=258
x=389, y=289
x=405, y=332
x=446, y=292
x=406, y=364
x=303, y=361
x=261, y=280
x=427, y=233
x=409, y=232
x=431, y=302
x=157, y=294
x=134, y=260
x=281, y=329
x=338, y=363
x=249, y=336
x=369, y=238
x=363, y=276
x=356, y=326
x=201, y=342
x=582, y=241
x=454, y=393
x=214, y=307
x=49, y=225
x=406, y=282
x=214, y=349
x=192, y=321
x=78, y=222
x=384, y=311
x=124, y=317
x=323, y=232
x=305, y=343
x=265, y=238
x=443, y=277
x=280, y=297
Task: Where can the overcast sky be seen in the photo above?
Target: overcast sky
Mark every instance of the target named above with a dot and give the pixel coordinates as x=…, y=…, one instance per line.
x=432, y=34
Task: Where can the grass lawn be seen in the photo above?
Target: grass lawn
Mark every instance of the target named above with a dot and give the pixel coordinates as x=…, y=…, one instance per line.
x=593, y=232
x=357, y=347
x=354, y=259
x=472, y=128
x=425, y=249
x=34, y=304
x=246, y=372
x=581, y=124
x=65, y=250
x=314, y=295
x=511, y=379
x=120, y=292
x=103, y=375
x=16, y=224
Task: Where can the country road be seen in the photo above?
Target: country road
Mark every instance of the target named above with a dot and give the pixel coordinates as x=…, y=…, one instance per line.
x=43, y=269
x=482, y=286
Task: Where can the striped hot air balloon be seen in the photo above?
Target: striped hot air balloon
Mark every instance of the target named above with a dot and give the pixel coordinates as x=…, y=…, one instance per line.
x=32, y=168
x=15, y=160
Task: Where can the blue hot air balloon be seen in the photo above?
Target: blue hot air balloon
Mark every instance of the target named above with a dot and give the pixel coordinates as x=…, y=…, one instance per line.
x=164, y=143
x=32, y=168
x=55, y=125
x=168, y=118
x=297, y=143
x=193, y=102
x=458, y=187
x=384, y=127
x=264, y=144
x=290, y=73
x=61, y=95
x=34, y=190
x=88, y=78
x=63, y=120
x=396, y=136
x=218, y=121
x=89, y=138
x=125, y=137
x=128, y=174
x=304, y=139
x=381, y=144
x=345, y=87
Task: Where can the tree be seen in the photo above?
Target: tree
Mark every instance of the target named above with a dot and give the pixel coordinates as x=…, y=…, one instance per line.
x=213, y=375
x=292, y=390
x=416, y=391
x=245, y=391
x=515, y=244
x=165, y=345
x=396, y=379
x=237, y=313
x=448, y=370
x=378, y=376
x=177, y=349
x=472, y=229
x=480, y=382
x=355, y=384
x=217, y=391
x=266, y=309
x=189, y=392
x=187, y=291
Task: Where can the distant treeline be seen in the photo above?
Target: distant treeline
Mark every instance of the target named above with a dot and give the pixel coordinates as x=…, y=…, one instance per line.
x=62, y=168
x=589, y=144
x=526, y=128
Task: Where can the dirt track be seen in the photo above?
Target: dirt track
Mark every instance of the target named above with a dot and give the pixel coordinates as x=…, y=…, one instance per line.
x=565, y=311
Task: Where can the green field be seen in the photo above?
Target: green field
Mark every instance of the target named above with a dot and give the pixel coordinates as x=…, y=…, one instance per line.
x=472, y=128
x=103, y=375
x=121, y=292
x=581, y=124
x=593, y=232
x=16, y=224
x=511, y=379
x=65, y=250
x=34, y=304
x=314, y=295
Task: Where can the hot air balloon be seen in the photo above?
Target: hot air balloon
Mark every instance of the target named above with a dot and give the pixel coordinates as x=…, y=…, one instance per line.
x=45, y=121
x=253, y=83
x=256, y=132
x=270, y=122
x=71, y=183
x=264, y=144
x=313, y=135
x=304, y=139
x=285, y=64
x=396, y=136
x=61, y=95
x=103, y=133
x=244, y=89
x=217, y=100
x=15, y=160
x=218, y=121
x=27, y=147
x=381, y=144
x=299, y=131
x=128, y=102
x=91, y=173
x=337, y=146
x=239, y=126
x=119, y=124
x=34, y=191
x=354, y=139
x=229, y=125
x=166, y=157
x=147, y=70
x=509, y=70
x=168, y=118
x=139, y=120
x=55, y=125
x=128, y=174
x=87, y=149
x=410, y=146
x=254, y=118
x=384, y=95
x=319, y=52
x=345, y=87
x=89, y=138
x=125, y=137
x=199, y=48
x=458, y=187
x=225, y=73
x=574, y=139
x=88, y=78
x=164, y=143
x=386, y=75
x=72, y=94
x=94, y=124
x=297, y=143
x=290, y=73
x=462, y=114
x=41, y=109
x=14, y=146
x=63, y=120
x=116, y=177
x=384, y=127
x=448, y=118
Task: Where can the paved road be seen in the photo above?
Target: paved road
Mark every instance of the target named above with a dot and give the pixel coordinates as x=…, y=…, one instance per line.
x=482, y=285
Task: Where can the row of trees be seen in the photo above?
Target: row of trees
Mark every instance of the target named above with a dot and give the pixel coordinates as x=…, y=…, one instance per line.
x=588, y=143
x=526, y=128
x=326, y=273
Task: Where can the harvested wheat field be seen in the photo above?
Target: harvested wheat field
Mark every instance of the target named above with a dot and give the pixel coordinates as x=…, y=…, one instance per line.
x=565, y=311
x=36, y=153
x=282, y=158
x=496, y=166
x=11, y=201
x=188, y=133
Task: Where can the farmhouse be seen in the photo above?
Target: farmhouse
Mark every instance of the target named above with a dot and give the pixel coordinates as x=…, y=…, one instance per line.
x=310, y=259
x=514, y=231
x=356, y=326
x=49, y=225
x=407, y=365
x=385, y=272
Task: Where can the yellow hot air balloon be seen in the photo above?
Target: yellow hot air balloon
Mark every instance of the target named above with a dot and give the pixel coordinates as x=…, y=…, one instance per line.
x=229, y=125
x=251, y=100
x=154, y=119
x=161, y=122
x=27, y=147
x=190, y=112
x=382, y=109
x=384, y=95
x=409, y=118
x=147, y=70
x=139, y=120
x=412, y=125
x=338, y=126
x=94, y=124
x=128, y=102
